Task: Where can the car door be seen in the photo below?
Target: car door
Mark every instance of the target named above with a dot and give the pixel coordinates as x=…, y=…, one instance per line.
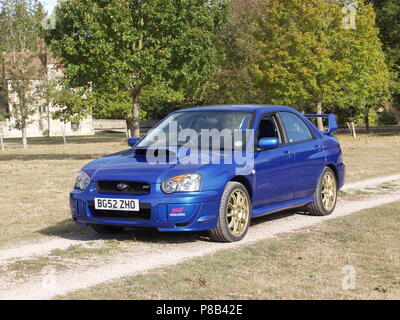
x=308, y=151
x=273, y=167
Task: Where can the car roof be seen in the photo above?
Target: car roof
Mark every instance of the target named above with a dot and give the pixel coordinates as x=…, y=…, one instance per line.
x=245, y=108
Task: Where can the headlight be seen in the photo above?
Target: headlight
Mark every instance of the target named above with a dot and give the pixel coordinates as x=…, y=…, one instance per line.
x=184, y=183
x=82, y=181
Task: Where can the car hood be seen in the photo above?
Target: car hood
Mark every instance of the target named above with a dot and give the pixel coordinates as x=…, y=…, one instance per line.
x=128, y=165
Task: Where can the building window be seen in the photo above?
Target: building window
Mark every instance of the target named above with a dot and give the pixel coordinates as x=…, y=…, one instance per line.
x=43, y=109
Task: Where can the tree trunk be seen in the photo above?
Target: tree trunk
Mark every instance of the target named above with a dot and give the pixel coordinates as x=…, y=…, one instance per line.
x=63, y=133
x=353, y=129
x=366, y=119
x=24, y=137
x=349, y=126
x=48, y=120
x=134, y=123
x=320, y=123
x=1, y=139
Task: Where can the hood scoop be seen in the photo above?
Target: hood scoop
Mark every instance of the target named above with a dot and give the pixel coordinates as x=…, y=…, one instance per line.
x=164, y=155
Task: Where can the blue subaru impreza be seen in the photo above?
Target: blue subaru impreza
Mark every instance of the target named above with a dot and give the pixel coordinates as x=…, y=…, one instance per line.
x=213, y=168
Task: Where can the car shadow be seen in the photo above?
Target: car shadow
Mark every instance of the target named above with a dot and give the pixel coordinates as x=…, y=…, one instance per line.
x=67, y=230
x=277, y=216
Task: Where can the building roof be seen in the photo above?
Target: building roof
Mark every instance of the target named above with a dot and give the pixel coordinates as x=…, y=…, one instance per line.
x=38, y=63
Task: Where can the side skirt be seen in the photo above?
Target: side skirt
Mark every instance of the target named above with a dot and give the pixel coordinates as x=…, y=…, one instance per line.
x=258, y=212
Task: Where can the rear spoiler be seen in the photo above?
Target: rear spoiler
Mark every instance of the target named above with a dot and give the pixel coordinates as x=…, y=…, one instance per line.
x=332, y=123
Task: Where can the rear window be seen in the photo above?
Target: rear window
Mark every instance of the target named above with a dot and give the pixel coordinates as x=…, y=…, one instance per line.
x=296, y=129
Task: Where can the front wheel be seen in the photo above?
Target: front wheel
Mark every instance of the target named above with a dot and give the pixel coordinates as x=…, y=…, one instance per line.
x=101, y=229
x=325, y=195
x=234, y=214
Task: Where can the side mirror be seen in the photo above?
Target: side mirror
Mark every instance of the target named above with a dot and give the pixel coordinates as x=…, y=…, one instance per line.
x=133, y=141
x=268, y=143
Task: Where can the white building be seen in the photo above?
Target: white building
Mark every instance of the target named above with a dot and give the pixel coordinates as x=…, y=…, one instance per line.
x=40, y=121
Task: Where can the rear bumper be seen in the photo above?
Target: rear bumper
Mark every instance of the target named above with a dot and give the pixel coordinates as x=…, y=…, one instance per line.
x=177, y=212
x=341, y=168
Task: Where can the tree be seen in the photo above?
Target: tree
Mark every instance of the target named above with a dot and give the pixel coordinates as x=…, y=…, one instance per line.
x=388, y=21
x=297, y=62
x=127, y=45
x=3, y=117
x=19, y=38
x=71, y=104
x=156, y=100
x=237, y=48
x=298, y=53
x=367, y=85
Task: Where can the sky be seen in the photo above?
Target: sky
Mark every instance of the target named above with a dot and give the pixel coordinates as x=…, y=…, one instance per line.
x=49, y=5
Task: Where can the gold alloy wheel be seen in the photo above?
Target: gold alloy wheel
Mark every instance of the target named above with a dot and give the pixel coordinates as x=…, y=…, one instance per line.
x=238, y=212
x=329, y=191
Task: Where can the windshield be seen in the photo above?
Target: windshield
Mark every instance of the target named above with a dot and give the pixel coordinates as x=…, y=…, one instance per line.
x=225, y=130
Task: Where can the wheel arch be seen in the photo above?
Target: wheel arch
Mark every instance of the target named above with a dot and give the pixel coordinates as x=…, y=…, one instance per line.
x=244, y=181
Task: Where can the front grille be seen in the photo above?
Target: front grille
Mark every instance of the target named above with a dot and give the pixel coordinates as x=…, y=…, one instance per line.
x=143, y=214
x=134, y=187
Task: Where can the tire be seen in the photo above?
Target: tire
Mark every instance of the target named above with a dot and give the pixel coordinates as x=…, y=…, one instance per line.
x=234, y=219
x=325, y=195
x=101, y=229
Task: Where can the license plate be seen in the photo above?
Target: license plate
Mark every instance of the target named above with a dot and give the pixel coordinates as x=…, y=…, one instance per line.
x=116, y=204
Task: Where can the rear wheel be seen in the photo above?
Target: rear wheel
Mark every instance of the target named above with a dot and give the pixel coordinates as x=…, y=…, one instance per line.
x=101, y=229
x=234, y=214
x=325, y=195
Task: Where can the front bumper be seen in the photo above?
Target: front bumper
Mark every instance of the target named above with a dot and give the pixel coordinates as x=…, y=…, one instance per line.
x=176, y=212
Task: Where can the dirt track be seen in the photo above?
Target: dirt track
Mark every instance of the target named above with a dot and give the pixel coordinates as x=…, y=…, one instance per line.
x=155, y=249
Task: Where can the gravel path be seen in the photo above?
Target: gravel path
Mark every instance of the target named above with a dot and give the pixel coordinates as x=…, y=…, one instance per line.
x=173, y=252
x=371, y=182
x=46, y=245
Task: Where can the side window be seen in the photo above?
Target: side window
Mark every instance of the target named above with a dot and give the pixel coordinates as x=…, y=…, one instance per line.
x=296, y=129
x=268, y=128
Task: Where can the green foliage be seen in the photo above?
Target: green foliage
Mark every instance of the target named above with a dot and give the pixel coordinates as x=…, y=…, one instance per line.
x=297, y=53
x=368, y=84
x=295, y=63
x=3, y=116
x=20, y=23
x=20, y=31
x=46, y=133
x=237, y=47
x=159, y=99
x=387, y=117
x=388, y=21
x=72, y=105
x=111, y=105
x=125, y=45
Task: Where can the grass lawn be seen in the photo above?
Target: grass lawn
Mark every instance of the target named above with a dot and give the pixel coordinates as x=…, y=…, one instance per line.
x=307, y=264
x=35, y=183
x=370, y=156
